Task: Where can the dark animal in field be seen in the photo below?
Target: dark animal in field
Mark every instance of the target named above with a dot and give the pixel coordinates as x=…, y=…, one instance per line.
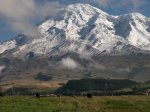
x=58, y=95
x=37, y=95
x=1, y=94
x=89, y=95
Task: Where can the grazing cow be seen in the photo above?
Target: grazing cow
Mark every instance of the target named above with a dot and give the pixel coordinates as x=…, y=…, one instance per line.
x=1, y=95
x=37, y=95
x=89, y=95
x=58, y=95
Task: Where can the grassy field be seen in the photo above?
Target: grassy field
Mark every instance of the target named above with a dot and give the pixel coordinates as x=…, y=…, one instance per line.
x=75, y=104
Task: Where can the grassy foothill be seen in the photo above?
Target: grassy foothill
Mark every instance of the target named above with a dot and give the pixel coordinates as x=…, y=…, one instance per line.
x=75, y=104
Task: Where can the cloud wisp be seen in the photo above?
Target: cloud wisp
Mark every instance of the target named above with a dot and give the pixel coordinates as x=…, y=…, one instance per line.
x=69, y=63
x=20, y=14
x=2, y=67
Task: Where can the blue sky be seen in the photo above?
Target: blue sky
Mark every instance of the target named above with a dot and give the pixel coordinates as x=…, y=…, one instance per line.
x=8, y=30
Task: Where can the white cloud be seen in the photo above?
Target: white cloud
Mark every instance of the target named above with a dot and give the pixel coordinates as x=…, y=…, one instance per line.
x=19, y=14
x=69, y=63
x=128, y=70
x=2, y=68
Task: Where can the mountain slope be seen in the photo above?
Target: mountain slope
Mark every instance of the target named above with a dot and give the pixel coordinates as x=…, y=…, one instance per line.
x=80, y=41
x=84, y=29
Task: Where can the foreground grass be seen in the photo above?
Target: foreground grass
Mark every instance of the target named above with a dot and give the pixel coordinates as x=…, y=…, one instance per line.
x=77, y=104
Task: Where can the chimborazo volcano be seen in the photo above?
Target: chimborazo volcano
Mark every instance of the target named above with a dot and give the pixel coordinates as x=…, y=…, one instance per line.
x=80, y=41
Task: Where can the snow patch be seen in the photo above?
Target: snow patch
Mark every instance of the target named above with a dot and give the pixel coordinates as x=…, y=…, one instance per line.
x=7, y=46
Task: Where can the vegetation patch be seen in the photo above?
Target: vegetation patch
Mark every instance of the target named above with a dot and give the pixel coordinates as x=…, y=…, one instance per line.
x=97, y=86
x=43, y=77
x=75, y=104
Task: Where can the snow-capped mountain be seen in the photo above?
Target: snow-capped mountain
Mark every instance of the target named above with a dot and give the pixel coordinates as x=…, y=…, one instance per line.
x=84, y=29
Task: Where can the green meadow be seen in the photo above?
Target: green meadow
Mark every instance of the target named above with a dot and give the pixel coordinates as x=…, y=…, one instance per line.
x=75, y=104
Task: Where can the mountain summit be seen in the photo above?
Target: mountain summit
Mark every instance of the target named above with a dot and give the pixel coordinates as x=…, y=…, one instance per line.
x=84, y=29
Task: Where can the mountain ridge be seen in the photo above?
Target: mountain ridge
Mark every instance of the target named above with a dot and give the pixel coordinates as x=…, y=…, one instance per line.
x=82, y=28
